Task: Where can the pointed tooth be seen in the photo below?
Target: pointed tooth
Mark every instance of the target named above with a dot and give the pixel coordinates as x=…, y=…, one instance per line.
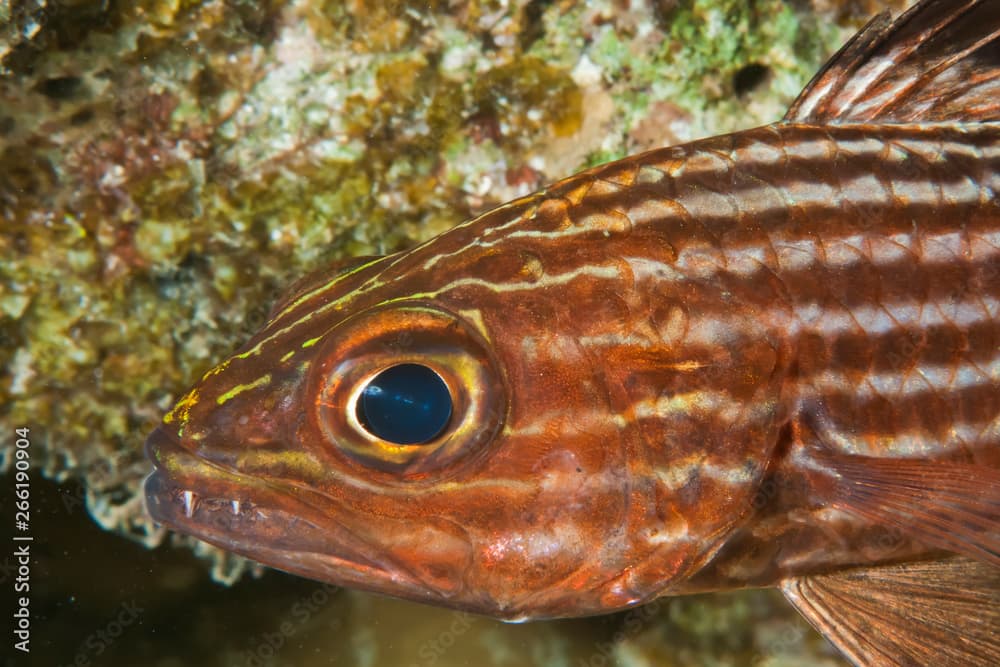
x=190, y=503
x=235, y=504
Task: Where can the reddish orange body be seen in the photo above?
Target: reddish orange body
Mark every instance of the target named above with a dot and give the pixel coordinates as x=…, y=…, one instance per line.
x=760, y=359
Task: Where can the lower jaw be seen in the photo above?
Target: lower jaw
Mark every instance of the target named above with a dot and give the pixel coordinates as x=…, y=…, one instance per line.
x=277, y=537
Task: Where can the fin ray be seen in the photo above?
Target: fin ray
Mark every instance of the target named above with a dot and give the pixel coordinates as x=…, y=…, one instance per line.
x=939, y=61
x=944, y=613
x=947, y=505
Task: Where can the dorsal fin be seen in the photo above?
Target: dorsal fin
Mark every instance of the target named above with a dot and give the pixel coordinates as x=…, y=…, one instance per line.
x=939, y=61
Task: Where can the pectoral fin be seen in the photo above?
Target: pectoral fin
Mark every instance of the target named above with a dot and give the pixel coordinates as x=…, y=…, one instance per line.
x=942, y=613
x=951, y=506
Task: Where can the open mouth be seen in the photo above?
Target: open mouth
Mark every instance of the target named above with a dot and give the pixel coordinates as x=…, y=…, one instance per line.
x=219, y=520
x=266, y=521
x=191, y=495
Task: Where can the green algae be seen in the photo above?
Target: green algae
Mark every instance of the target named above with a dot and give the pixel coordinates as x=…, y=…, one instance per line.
x=692, y=58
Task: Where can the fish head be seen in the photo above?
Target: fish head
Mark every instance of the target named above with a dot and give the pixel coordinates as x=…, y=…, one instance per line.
x=434, y=425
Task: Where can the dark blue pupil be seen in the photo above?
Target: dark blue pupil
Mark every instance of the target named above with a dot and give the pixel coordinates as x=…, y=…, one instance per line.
x=407, y=404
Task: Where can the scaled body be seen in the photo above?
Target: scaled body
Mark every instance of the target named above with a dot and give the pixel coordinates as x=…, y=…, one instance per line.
x=767, y=358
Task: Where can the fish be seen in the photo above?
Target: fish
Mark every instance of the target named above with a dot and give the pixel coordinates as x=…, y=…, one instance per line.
x=764, y=359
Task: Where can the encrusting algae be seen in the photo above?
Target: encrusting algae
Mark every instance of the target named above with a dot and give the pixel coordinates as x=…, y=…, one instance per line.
x=167, y=166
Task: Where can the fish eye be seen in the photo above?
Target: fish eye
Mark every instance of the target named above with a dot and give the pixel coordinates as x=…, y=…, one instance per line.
x=406, y=404
x=405, y=393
